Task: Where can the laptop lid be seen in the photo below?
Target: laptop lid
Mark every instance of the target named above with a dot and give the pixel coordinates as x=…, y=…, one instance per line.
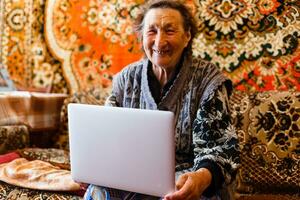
x=122, y=148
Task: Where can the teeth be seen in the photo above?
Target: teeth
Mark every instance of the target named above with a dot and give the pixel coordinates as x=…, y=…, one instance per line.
x=160, y=52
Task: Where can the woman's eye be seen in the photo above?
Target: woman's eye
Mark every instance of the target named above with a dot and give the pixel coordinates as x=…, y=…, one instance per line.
x=151, y=31
x=170, y=31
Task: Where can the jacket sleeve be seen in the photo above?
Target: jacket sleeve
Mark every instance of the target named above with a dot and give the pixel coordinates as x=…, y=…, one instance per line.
x=116, y=95
x=215, y=141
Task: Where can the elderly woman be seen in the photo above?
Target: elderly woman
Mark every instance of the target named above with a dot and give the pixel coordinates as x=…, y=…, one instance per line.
x=169, y=78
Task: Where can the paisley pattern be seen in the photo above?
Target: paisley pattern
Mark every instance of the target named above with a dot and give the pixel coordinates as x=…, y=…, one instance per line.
x=268, y=128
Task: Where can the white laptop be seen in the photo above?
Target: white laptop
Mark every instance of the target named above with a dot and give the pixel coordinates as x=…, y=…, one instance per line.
x=122, y=148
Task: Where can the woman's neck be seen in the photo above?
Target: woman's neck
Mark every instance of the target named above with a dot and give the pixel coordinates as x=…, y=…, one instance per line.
x=162, y=74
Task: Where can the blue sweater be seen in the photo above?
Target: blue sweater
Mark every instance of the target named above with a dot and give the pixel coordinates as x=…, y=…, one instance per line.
x=198, y=96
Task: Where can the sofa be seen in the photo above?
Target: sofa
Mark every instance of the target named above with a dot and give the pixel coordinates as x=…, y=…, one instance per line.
x=267, y=125
x=18, y=141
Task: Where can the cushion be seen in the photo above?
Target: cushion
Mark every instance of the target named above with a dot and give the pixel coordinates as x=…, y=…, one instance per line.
x=13, y=137
x=269, y=130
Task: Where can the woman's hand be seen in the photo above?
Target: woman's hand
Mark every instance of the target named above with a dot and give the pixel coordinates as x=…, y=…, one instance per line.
x=191, y=185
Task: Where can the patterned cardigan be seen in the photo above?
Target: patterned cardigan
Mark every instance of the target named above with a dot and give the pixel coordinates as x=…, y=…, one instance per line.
x=199, y=99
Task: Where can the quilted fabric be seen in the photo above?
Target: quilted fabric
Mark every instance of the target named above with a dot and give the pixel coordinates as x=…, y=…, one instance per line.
x=13, y=137
x=269, y=130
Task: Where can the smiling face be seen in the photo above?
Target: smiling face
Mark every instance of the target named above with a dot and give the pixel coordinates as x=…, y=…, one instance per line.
x=164, y=37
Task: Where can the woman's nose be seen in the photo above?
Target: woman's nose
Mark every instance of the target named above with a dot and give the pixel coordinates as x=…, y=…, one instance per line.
x=160, y=40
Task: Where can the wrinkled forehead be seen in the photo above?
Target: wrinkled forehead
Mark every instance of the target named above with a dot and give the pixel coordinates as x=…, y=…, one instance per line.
x=162, y=17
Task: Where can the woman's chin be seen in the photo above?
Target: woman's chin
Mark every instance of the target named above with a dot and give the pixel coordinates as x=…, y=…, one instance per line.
x=163, y=63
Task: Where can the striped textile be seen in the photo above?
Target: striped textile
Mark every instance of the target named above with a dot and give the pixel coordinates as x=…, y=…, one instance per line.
x=39, y=111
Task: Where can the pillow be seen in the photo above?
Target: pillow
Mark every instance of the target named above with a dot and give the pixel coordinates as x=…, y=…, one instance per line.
x=268, y=128
x=13, y=137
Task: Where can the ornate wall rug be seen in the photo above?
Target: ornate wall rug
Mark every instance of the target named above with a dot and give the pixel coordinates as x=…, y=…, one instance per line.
x=94, y=39
x=255, y=42
x=23, y=50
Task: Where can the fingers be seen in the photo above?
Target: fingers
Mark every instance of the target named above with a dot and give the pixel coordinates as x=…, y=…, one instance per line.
x=183, y=191
x=181, y=181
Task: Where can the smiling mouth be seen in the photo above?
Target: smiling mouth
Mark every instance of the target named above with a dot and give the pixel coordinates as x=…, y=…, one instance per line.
x=160, y=52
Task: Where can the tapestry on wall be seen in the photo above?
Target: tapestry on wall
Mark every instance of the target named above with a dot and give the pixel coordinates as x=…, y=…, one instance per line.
x=23, y=51
x=255, y=42
x=94, y=39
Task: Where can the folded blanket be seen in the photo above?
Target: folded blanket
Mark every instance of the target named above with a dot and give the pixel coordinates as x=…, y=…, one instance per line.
x=5, y=158
x=37, y=175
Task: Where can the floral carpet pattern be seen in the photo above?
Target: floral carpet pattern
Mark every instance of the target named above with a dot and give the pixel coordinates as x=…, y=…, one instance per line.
x=23, y=50
x=73, y=45
x=94, y=39
x=255, y=42
x=268, y=127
